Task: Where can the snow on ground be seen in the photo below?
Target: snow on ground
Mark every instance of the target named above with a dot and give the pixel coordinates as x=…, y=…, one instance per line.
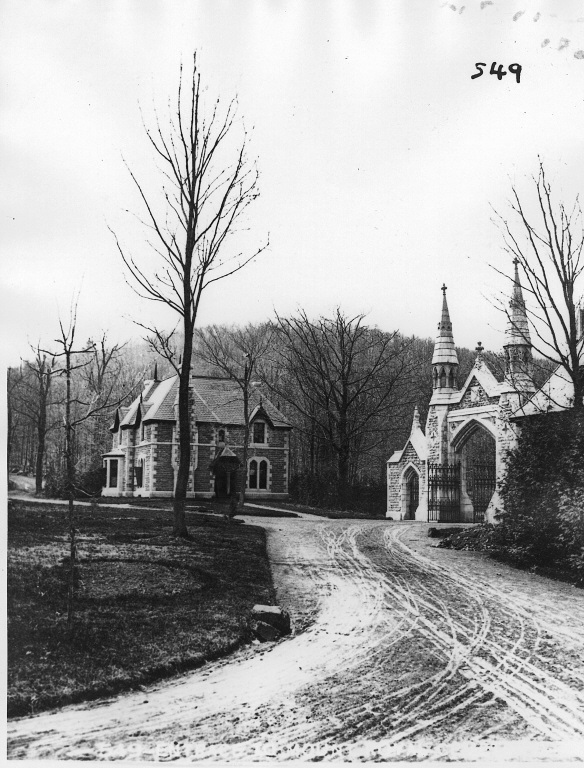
x=406, y=652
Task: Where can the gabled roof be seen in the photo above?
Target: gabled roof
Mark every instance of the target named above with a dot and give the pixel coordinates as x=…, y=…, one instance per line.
x=557, y=394
x=485, y=377
x=259, y=412
x=219, y=401
x=161, y=399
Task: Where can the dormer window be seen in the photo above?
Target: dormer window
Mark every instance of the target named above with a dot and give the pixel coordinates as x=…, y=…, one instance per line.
x=259, y=432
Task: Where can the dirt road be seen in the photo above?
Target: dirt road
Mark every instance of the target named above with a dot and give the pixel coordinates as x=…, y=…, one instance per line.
x=408, y=652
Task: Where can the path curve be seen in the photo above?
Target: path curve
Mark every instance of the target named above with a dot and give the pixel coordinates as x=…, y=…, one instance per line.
x=407, y=652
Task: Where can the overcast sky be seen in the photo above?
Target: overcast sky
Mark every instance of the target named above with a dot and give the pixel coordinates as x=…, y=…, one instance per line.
x=379, y=157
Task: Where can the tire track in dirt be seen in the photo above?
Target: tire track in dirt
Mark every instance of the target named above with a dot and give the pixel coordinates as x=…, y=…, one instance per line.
x=409, y=652
x=507, y=668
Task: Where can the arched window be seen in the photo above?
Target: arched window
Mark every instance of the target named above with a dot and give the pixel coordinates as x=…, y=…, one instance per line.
x=263, y=479
x=139, y=473
x=257, y=475
x=221, y=436
x=442, y=377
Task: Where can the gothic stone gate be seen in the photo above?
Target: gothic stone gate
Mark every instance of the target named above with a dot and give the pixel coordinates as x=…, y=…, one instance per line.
x=444, y=493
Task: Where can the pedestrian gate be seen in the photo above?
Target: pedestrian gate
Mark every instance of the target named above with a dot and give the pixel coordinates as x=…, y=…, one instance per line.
x=443, y=493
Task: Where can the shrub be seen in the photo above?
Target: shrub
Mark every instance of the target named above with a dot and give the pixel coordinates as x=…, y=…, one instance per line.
x=543, y=494
x=87, y=483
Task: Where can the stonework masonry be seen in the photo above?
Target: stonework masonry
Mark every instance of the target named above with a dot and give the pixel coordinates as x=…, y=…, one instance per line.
x=472, y=428
x=149, y=449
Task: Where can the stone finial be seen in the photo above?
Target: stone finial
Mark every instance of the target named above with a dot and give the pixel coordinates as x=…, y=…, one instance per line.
x=479, y=349
x=416, y=419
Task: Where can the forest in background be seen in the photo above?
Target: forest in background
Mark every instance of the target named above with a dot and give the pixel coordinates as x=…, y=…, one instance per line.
x=347, y=389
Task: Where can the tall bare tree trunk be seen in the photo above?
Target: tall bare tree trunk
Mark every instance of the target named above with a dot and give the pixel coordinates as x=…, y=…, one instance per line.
x=245, y=434
x=184, y=425
x=70, y=495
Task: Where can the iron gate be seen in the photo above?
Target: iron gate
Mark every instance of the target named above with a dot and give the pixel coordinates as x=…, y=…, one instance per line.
x=482, y=486
x=443, y=493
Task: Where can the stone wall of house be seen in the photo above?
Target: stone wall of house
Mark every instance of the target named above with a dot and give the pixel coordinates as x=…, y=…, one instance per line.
x=160, y=451
x=275, y=450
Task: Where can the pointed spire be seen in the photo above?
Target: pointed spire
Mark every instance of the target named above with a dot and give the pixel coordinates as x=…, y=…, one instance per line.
x=517, y=331
x=444, y=350
x=517, y=346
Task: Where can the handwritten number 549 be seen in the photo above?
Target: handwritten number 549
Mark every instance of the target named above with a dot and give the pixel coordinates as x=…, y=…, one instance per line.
x=515, y=69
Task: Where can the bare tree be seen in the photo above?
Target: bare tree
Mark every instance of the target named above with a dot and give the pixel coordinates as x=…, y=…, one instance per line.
x=546, y=244
x=237, y=353
x=13, y=387
x=207, y=186
x=79, y=407
x=30, y=403
x=348, y=379
x=42, y=370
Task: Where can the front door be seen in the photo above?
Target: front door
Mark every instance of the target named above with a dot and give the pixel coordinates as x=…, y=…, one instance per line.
x=222, y=483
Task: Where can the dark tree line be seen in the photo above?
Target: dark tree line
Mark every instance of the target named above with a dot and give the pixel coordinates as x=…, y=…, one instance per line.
x=347, y=388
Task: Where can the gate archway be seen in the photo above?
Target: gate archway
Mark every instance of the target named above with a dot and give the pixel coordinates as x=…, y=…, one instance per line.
x=476, y=448
x=410, y=493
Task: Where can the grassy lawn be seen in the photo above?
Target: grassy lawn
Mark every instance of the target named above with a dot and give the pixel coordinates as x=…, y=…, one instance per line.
x=148, y=605
x=192, y=506
x=335, y=514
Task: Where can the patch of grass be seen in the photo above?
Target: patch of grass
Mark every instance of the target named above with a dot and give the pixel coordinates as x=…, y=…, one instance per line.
x=334, y=514
x=148, y=605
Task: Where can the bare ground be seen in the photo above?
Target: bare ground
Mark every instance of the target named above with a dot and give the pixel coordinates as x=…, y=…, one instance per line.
x=408, y=652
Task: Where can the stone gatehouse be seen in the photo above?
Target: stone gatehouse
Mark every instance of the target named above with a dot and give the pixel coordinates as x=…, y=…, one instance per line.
x=451, y=472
